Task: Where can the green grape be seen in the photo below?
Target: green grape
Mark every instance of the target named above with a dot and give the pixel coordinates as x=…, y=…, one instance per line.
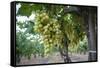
x=49, y=29
x=40, y=26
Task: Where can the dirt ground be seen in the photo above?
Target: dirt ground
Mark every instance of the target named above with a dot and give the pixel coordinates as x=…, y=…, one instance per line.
x=55, y=58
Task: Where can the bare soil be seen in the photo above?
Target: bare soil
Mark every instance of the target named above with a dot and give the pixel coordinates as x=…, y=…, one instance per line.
x=54, y=58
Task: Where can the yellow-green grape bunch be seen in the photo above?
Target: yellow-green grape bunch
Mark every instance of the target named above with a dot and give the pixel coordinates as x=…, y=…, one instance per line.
x=49, y=29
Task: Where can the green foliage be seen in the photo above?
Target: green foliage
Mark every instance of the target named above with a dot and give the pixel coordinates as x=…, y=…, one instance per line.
x=81, y=48
x=25, y=10
x=26, y=48
x=73, y=28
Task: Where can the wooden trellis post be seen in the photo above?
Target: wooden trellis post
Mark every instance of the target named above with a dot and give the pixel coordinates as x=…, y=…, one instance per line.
x=89, y=15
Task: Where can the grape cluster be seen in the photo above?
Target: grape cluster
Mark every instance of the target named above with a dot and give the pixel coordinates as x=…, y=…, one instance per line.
x=49, y=29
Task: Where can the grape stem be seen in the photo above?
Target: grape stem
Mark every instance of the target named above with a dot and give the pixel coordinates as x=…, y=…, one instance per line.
x=64, y=49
